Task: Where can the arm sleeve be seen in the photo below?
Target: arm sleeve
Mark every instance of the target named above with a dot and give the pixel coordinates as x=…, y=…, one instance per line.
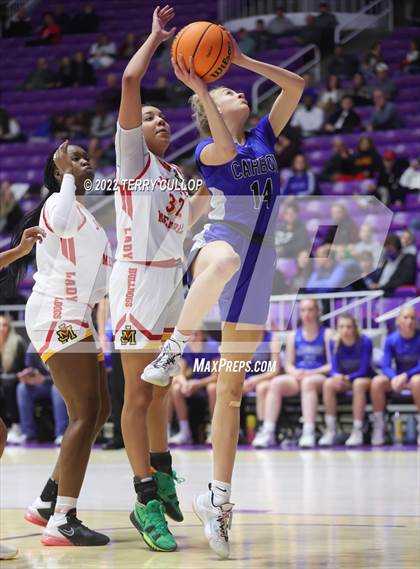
x=387, y=368
x=335, y=366
x=365, y=360
x=62, y=212
x=131, y=152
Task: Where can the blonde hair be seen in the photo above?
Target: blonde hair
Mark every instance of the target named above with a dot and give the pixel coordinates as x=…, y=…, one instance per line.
x=10, y=347
x=198, y=113
x=405, y=309
x=357, y=333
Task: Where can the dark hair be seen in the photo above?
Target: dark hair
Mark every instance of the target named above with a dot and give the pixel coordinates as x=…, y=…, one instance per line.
x=393, y=241
x=17, y=269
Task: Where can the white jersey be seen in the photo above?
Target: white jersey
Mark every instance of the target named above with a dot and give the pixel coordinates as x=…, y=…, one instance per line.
x=75, y=268
x=152, y=202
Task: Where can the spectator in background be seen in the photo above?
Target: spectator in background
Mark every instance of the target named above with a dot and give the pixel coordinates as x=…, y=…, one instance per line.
x=310, y=85
x=12, y=360
x=389, y=179
x=58, y=127
x=360, y=92
x=19, y=25
x=373, y=58
x=344, y=65
x=367, y=242
x=287, y=146
x=64, y=20
x=82, y=71
x=331, y=95
x=308, y=117
x=110, y=97
x=385, y=115
x=246, y=42
x=347, y=231
x=50, y=32
x=301, y=180
x=35, y=384
x=382, y=82
x=41, y=78
x=408, y=242
x=79, y=124
x=129, y=46
x=328, y=274
x=310, y=33
x=291, y=236
x=345, y=119
x=411, y=63
x=87, y=20
x=103, y=123
x=410, y=178
x=9, y=127
x=103, y=52
x=10, y=212
x=367, y=162
x=400, y=370
x=399, y=268
x=159, y=93
x=280, y=23
x=327, y=22
x=340, y=165
x=261, y=36
x=351, y=369
x=65, y=77
x=190, y=382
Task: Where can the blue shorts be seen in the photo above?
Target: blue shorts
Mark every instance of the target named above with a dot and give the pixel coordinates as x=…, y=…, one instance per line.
x=246, y=297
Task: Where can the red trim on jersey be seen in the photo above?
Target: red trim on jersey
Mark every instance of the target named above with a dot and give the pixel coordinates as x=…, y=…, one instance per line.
x=44, y=217
x=120, y=323
x=50, y=332
x=166, y=264
x=106, y=260
x=143, y=330
x=82, y=323
x=126, y=197
x=83, y=222
x=68, y=249
x=165, y=165
x=168, y=329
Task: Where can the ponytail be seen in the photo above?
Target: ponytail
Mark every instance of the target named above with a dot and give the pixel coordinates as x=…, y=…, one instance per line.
x=17, y=270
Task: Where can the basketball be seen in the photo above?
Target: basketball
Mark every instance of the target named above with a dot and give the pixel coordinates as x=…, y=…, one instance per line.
x=209, y=46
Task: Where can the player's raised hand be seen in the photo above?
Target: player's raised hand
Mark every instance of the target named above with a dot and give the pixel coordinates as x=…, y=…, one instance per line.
x=62, y=159
x=161, y=17
x=188, y=76
x=29, y=237
x=237, y=54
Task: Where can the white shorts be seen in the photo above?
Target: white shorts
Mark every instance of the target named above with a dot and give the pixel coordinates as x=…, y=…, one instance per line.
x=53, y=324
x=145, y=302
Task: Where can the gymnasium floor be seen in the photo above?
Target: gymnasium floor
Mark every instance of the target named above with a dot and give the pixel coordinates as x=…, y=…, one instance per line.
x=294, y=509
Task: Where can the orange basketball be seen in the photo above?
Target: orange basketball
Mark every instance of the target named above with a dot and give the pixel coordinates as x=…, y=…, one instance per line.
x=210, y=47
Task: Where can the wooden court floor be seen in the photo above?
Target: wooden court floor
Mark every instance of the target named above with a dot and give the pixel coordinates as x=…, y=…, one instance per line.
x=299, y=509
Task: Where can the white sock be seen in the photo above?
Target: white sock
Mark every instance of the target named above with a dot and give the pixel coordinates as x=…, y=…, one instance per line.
x=269, y=427
x=184, y=427
x=330, y=421
x=63, y=506
x=221, y=492
x=357, y=425
x=378, y=417
x=309, y=428
x=180, y=339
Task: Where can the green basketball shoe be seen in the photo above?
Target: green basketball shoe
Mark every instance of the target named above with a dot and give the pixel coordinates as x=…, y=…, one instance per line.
x=167, y=493
x=150, y=522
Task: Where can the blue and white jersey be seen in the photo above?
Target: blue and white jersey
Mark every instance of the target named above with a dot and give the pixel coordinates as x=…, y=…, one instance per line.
x=310, y=354
x=245, y=190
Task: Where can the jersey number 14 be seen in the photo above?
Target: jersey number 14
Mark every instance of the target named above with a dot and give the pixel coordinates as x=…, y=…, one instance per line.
x=262, y=196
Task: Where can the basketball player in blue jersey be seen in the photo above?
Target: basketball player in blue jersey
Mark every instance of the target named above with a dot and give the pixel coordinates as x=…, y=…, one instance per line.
x=351, y=370
x=306, y=368
x=233, y=259
x=400, y=370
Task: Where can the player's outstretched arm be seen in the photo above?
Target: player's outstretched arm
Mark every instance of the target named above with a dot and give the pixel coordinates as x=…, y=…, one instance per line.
x=130, y=108
x=29, y=238
x=222, y=150
x=291, y=85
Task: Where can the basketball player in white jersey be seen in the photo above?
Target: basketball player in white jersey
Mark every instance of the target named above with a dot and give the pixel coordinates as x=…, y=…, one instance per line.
x=73, y=265
x=153, y=212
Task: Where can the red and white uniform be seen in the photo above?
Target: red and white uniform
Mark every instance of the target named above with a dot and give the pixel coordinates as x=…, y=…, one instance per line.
x=74, y=265
x=152, y=211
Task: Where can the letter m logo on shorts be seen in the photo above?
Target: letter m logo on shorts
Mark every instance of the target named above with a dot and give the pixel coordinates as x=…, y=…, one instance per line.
x=128, y=336
x=66, y=333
